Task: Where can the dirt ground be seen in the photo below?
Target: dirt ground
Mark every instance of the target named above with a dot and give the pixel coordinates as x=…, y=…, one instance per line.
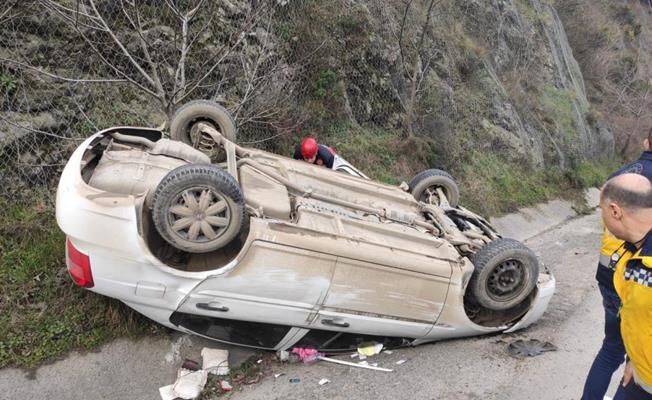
x=475, y=368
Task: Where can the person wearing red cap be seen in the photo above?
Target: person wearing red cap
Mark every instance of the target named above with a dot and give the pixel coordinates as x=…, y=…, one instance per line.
x=312, y=152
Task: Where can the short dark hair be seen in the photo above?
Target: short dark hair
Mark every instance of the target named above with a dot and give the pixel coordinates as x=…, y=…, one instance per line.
x=626, y=197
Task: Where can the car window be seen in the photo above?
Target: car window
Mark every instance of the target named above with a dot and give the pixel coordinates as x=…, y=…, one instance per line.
x=232, y=331
x=330, y=341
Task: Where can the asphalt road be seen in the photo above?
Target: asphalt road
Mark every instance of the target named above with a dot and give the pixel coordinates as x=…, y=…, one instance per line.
x=475, y=368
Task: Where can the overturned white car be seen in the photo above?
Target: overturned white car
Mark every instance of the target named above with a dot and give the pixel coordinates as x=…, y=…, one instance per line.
x=256, y=249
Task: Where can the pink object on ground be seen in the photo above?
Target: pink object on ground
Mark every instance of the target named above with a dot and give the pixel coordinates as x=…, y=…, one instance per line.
x=306, y=355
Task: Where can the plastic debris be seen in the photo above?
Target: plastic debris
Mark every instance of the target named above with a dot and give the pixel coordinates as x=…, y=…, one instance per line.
x=399, y=362
x=370, y=348
x=333, y=360
x=215, y=361
x=354, y=355
x=306, y=355
x=323, y=381
x=295, y=380
x=277, y=375
x=529, y=348
x=259, y=361
x=283, y=355
x=363, y=363
x=387, y=352
x=189, y=384
x=225, y=386
x=362, y=356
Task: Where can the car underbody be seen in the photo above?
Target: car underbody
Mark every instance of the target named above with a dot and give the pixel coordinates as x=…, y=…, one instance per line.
x=321, y=258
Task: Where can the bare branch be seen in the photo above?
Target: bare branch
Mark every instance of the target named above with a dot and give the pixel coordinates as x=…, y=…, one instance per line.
x=59, y=77
x=122, y=47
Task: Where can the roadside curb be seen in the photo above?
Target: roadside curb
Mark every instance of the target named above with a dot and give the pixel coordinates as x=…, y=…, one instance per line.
x=531, y=221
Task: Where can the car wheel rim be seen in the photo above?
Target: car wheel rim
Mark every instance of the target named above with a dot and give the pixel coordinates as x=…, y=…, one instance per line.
x=199, y=215
x=505, y=281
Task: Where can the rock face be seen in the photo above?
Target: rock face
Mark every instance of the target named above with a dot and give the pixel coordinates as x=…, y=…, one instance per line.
x=472, y=79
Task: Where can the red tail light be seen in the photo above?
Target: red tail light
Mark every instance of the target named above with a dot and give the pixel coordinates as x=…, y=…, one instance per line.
x=79, y=266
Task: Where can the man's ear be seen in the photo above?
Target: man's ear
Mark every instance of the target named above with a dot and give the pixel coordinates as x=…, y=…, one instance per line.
x=615, y=211
x=647, y=146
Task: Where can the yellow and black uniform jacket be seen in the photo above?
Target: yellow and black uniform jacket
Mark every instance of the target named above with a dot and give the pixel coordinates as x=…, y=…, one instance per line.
x=633, y=283
x=606, y=266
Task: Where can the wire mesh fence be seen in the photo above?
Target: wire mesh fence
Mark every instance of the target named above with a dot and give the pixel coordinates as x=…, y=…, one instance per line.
x=70, y=68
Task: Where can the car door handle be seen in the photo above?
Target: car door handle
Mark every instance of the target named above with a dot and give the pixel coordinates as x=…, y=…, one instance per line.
x=213, y=306
x=335, y=322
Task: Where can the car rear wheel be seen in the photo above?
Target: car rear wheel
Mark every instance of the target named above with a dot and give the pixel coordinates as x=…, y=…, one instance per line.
x=506, y=272
x=425, y=184
x=185, y=121
x=198, y=208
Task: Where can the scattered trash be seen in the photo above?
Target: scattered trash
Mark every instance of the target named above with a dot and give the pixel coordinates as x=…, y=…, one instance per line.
x=370, y=348
x=333, y=360
x=293, y=358
x=399, y=362
x=191, y=365
x=362, y=356
x=387, y=352
x=277, y=375
x=283, y=355
x=363, y=363
x=167, y=392
x=295, y=380
x=354, y=355
x=323, y=381
x=189, y=384
x=373, y=364
x=306, y=355
x=259, y=361
x=215, y=361
x=529, y=348
x=225, y=386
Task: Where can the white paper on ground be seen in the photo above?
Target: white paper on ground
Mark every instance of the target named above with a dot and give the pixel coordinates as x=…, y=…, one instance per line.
x=323, y=381
x=190, y=385
x=167, y=392
x=215, y=361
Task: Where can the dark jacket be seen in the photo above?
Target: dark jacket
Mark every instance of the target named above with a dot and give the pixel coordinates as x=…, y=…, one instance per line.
x=325, y=155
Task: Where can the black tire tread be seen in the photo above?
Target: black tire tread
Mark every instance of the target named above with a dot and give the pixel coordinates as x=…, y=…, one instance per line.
x=490, y=251
x=428, y=173
x=179, y=114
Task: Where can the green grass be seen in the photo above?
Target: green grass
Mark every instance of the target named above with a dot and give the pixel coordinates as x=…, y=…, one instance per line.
x=493, y=186
x=44, y=315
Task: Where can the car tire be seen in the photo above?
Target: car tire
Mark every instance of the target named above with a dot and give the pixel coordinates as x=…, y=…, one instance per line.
x=198, y=208
x=505, y=274
x=431, y=179
x=190, y=114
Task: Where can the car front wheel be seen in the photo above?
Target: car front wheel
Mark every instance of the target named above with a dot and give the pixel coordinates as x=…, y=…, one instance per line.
x=505, y=274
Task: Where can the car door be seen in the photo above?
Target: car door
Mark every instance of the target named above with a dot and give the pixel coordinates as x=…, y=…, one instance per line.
x=271, y=289
x=384, y=300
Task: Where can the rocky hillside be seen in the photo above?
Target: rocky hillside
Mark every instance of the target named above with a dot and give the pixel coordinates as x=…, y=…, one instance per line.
x=511, y=96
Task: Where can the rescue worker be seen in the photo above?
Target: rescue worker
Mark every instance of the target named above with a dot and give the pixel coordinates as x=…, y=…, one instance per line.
x=612, y=352
x=312, y=152
x=626, y=204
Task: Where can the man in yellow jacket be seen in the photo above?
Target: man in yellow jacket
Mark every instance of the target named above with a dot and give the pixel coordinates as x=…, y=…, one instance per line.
x=626, y=204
